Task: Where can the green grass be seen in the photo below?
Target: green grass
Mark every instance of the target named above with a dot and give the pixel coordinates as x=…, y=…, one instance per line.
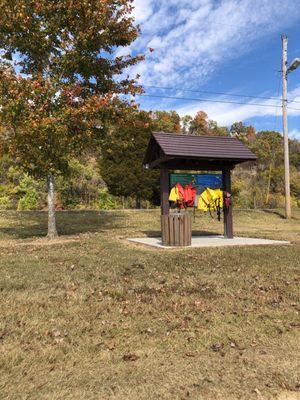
x=95, y=317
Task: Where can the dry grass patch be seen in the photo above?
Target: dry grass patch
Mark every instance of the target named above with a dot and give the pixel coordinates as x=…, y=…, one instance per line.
x=96, y=319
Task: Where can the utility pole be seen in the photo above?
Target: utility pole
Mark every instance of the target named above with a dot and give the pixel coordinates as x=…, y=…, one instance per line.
x=288, y=212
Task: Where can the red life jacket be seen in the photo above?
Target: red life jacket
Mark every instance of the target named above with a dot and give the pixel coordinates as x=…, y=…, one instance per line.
x=189, y=195
x=180, y=190
x=180, y=203
x=227, y=199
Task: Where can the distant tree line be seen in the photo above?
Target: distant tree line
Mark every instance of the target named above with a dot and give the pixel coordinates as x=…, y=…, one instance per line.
x=111, y=175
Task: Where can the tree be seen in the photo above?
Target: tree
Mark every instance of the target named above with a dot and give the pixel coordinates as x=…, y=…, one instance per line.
x=215, y=130
x=186, y=120
x=199, y=124
x=294, y=146
x=166, y=121
x=202, y=125
x=268, y=147
x=58, y=80
x=243, y=132
x=238, y=129
x=123, y=151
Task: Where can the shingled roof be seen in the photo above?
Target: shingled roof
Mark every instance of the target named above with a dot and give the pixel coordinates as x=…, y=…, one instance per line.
x=171, y=150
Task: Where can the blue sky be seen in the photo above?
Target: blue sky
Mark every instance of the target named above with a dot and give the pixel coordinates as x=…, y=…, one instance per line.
x=230, y=46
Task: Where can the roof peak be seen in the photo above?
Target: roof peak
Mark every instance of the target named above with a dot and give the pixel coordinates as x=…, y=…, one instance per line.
x=192, y=136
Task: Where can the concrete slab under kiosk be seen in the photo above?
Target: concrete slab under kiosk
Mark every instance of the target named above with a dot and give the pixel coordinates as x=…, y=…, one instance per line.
x=210, y=241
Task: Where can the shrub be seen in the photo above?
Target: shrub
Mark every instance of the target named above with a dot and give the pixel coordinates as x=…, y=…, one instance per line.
x=5, y=203
x=106, y=201
x=30, y=201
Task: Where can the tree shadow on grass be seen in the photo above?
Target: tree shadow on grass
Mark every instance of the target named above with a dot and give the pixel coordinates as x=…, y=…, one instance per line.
x=275, y=212
x=24, y=225
x=281, y=214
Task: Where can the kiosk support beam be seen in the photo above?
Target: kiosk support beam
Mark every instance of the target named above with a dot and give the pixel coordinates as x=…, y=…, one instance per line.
x=228, y=227
x=164, y=187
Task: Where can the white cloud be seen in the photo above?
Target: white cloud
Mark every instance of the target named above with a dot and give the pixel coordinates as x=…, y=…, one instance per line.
x=294, y=134
x=192, y=38
x=142, y=10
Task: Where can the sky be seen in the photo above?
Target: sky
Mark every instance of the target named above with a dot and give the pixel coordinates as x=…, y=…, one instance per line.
x=219, y=51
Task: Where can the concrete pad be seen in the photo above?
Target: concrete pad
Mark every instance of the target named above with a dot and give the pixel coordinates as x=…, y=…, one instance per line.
x=210, y=241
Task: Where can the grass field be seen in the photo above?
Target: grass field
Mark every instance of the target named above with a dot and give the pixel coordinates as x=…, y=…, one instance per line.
x=91, y=316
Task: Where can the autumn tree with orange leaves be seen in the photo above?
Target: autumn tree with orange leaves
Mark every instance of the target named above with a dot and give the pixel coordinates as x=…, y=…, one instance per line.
x=60, y=80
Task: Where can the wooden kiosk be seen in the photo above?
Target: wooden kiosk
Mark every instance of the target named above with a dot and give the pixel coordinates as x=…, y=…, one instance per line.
x=171, y=151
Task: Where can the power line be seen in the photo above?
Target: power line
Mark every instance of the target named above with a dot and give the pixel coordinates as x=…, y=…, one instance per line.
x=214, y=101
x=219, y=93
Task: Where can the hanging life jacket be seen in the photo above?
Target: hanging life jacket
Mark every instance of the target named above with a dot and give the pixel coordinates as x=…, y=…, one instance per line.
x=211, y=200
x=177, y=195
x=219, y=202
x=189, y=195
x=204, y=200
x=227, y=199
x=174, y=196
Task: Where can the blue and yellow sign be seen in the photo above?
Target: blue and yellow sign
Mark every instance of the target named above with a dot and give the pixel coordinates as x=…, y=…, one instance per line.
x=213, y=181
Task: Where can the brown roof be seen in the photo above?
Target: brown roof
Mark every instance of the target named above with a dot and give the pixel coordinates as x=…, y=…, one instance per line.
x=172, y=148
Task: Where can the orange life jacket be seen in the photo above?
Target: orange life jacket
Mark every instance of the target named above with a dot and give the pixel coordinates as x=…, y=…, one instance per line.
x=189, y=195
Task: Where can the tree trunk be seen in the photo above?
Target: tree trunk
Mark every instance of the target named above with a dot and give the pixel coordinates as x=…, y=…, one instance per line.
x=52, y=232
x=254, y=199
x=269, y=184
x=138, y=202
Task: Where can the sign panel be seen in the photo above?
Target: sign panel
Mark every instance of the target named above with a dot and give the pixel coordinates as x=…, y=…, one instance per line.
x=213, y=181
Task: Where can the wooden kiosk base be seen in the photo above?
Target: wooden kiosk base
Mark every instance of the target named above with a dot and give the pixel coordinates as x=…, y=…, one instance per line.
x=176, y=229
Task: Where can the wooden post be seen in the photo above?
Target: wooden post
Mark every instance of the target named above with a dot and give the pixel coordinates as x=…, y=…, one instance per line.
x=164, y=191
x=288, y=211
x=228, y=227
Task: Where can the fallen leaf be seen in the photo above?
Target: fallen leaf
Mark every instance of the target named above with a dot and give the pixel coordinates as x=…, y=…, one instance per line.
x=217, y=346
x=190, y=354
x=130, y=357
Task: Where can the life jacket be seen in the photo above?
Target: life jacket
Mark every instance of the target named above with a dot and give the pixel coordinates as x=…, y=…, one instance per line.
x=219, y=202
x=177, y=195
x=189, y=195
x=211, y=200
x=218, y=198
x=227, y=199
x=204, y=201
x=174, y=196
